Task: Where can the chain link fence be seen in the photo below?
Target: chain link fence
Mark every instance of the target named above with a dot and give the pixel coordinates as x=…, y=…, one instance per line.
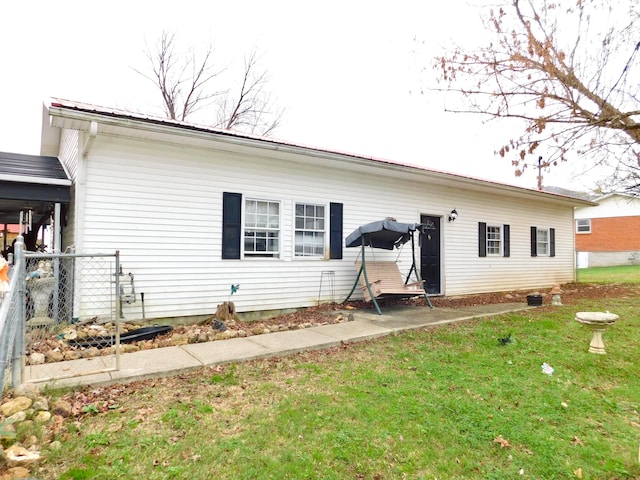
x=10, y=312
x=60, y=307
x=71, y=307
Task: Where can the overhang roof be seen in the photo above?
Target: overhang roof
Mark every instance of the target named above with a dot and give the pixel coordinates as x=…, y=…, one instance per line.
x=30, y=182
x=79, y=116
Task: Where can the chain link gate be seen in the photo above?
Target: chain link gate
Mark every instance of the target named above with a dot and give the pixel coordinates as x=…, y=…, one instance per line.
x=72, y=309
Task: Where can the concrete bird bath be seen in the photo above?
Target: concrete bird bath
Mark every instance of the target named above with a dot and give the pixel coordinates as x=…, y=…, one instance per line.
x=597, y=322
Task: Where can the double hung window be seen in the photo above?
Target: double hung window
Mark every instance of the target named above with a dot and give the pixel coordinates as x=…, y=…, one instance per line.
x=310, y=230
x=261, y=228
x=583, y=225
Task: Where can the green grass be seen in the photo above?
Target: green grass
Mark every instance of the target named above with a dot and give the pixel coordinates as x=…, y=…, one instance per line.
x=448, y=402
x=620, y=274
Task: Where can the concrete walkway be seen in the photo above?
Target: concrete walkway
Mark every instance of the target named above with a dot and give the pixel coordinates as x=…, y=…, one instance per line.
x=162, y=362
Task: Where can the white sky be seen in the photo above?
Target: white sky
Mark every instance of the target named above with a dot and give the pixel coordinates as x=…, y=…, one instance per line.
x=347, y=71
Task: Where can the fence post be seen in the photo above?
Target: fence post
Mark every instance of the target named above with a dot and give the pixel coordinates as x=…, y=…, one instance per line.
x=118, y=310
x=17, y=362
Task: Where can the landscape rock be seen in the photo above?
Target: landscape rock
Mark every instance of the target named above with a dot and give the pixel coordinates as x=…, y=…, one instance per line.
x=42, y=417
x=55, y=445
x=18, y=456
x=40, y=404
x=15, y=405
x=36, y=358
x=8, y=432
x=91, y=352
x=62, y=408
x=20, y=416
x=53, y=356
x=16, y=472
x=30, y=390
x=72, y=355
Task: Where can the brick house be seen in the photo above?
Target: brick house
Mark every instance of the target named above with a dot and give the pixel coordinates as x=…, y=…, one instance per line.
x=608, y=234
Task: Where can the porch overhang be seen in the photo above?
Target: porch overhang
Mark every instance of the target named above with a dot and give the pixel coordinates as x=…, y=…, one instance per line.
x=31, y=182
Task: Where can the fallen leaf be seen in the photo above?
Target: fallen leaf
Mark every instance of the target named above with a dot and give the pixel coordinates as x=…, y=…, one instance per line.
x=578, y=472
x=576, y=441
x=502, y=441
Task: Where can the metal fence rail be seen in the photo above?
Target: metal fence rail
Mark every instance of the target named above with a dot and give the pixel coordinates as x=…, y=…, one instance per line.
x=72, y=308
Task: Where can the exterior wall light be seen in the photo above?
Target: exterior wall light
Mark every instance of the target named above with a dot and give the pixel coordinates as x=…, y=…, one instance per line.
x=453, y=215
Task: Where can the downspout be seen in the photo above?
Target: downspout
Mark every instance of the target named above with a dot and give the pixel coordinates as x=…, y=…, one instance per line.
x=93, y=132
x=80, y=196
x=81, y=184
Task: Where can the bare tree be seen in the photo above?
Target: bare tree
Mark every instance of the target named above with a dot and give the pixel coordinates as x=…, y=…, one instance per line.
x=568, y=72
x=251, y=108
x=190, y=83
x=183, y=79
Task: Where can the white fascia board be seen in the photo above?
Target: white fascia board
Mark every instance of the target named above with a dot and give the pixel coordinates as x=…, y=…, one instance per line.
x=37, y=180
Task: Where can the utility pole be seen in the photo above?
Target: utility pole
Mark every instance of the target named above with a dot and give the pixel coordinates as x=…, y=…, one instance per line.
x=540, y=173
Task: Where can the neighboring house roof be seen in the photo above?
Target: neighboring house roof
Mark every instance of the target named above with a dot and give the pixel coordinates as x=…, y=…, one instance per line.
x=30, y=181
x=611, y=205
x=79, y=116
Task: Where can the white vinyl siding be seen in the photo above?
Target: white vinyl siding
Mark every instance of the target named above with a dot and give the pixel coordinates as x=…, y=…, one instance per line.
x=160, y=205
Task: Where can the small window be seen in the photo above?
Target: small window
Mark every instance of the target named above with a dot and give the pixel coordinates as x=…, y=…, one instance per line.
x=310, y=230
x=542, y=242
x=583, y=225
x=261, y=228
x=494, y=240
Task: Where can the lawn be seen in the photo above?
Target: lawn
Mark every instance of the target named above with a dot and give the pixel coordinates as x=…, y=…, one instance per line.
x=619, y=274
x=447, y=402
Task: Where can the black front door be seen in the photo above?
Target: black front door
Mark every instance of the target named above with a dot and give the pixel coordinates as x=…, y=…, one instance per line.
x=430, y=253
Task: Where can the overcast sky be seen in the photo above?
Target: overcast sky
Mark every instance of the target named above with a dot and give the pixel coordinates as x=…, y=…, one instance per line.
x=349, y=73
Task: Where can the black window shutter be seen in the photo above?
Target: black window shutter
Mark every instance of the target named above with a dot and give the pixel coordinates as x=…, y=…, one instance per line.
x=335, y=231
x=482, y=239
x=507, y=240
x=534, y=241
x=231, y=224
x=552, y=242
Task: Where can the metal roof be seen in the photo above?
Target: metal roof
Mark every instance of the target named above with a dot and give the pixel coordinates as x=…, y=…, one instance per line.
x=32, y=169
x=31, y=182
x=79, y=115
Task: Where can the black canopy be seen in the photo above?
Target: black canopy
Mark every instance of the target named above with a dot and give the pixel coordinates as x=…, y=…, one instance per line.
x=385, y=234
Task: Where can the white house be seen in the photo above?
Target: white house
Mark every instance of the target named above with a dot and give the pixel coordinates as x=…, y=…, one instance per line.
x=194, y=210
